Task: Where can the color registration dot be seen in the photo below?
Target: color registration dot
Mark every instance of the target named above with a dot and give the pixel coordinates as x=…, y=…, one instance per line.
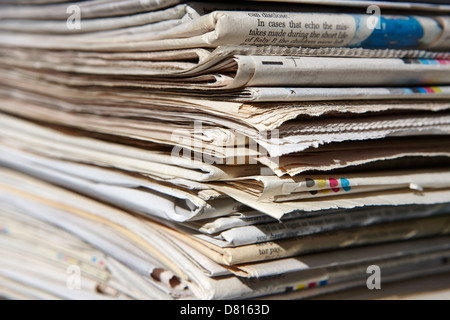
x=312, y=285
x=334, y=183
x=436, y=89
x=322, y=183
x=323, y=283
x=346, y=185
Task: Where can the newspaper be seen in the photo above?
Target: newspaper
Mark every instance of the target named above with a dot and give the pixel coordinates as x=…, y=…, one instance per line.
x=130, y=245
x=341, y=276
x=354, y=289
x=290, y=29
x=164, y=165
x=273, y=188
x=90, y=9
x=250, y=114
x=394, y=153
x=121, y=190
x=410, y=5
x=240, y=71
x=32, y=248
x=325, y=241
x=220, y=142
x=324, y=72
x=132, y=193
x=247, y=235
x=135, y=234
x=189, y=150
x=174, y=17
x=278, y=210
x=342, y=257
x=203, y=202
x=254, y=218
x=263, y=94
x=185, y=62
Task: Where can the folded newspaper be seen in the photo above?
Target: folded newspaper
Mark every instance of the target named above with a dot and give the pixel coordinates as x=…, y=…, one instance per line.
x=221, y=150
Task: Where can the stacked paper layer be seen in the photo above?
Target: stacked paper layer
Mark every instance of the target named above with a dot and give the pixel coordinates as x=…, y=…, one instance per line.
x=262, y=149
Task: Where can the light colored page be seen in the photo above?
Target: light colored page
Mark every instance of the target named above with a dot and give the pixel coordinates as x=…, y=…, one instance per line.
x=321, y=242
x=294, y=228
x=365, y=4
x=81, y=210
x=332, y=240
x=261, y=94
x=136, y=194
x=255, y=71
x=57, y=250
x=335, y=192
x=105, y=153
x=168, y=63
x=164, y=63
x=341, y=257
x=33, y=2
x=444, y=40
x=46, y=277
x=241, y=219
x=208, y=266
x=291, y=144
x=247, y=219
x=15, y=290
x=278, y=210
x=253, y=28
x=171, y=270
x=374, y=152
x=316, y=30
x=272, y=184
x=323, y=184
x=23, y=236
x=219, y=142
x=342, y=289
x=235, y=292
x=222, y=144
x=80, y=226
x=218, y=172
x=89, y=9
x=267, y=116
x=28, y=238
x=129, y=22
x=270, y=116
x=301, y=136
x=261, y=116
x=395, y=267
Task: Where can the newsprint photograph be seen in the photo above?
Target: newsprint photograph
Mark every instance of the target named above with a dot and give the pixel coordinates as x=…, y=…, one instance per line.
x=224, y=156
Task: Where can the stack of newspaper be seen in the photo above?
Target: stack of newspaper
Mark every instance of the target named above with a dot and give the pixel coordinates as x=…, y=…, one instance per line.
x=157, y=149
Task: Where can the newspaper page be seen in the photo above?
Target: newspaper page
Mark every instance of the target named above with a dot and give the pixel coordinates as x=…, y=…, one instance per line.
x=90, y=9
x=265, y=94
x=125, y=191
x=138, y=235
x=130, y=240
x=294, y=228
x=220, y=142
x=289, y=29
x=320, y=242
x=254, y=218
x=314, y=186
x=405, y=5
x=239, y=71
x=33, y=248
x=278, y=210
x=342, y=257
